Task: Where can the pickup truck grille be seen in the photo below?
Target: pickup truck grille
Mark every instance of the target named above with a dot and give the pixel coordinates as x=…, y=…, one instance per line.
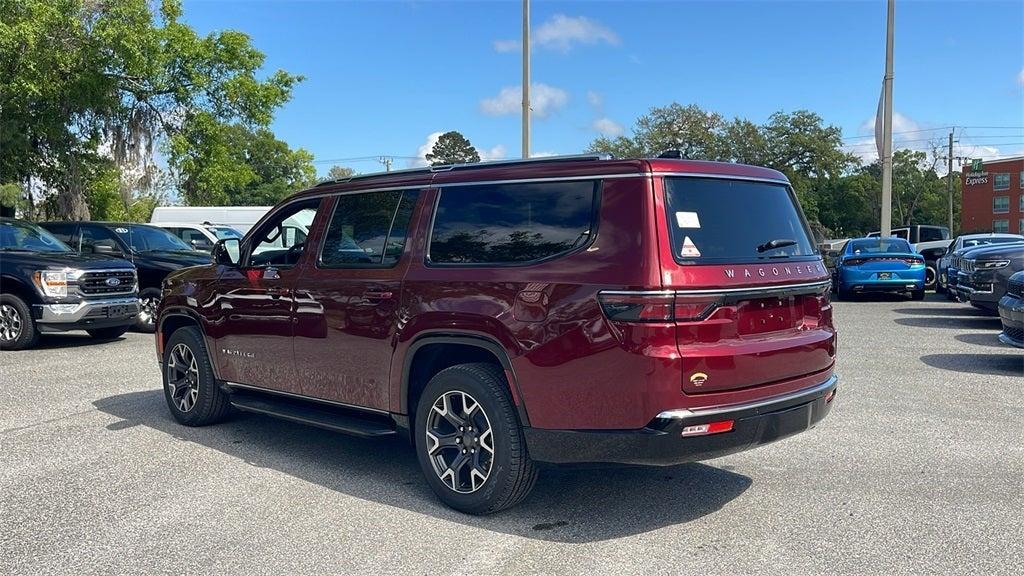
x=95, y=283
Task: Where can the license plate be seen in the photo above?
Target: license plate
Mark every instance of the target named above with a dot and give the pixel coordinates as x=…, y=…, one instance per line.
x=885, y=275
x=116, y=311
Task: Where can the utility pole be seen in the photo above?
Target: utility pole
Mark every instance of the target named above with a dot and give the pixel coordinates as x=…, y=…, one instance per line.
x=886, y=228
x=386, y=161
x=526, y=78
x=949, y=177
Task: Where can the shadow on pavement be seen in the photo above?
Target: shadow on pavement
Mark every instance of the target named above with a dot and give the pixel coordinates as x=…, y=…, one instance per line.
x=981, y=339
x=58, y=341
x=565, y=506
x=988, y=364
x=968, y=311
x=958, y=322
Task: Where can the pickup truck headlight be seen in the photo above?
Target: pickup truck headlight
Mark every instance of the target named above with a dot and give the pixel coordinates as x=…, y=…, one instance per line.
x=991, y=264
x=54, y=283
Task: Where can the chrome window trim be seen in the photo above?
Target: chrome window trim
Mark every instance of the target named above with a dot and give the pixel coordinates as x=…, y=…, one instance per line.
x=685, y=413
x=721, y=177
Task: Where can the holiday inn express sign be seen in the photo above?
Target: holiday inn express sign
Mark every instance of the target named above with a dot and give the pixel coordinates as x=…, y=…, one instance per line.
x=977, y=175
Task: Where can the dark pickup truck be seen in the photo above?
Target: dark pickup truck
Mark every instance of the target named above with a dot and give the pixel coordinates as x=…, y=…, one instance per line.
x=46, y=287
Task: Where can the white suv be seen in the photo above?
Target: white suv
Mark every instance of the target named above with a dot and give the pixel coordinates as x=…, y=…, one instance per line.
x=200, y=236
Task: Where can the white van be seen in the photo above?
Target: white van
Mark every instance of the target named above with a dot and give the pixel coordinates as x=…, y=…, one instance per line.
x=240, y=218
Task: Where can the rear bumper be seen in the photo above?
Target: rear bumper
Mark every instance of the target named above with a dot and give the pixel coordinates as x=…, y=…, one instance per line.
x=660, y=443
x=86, y=315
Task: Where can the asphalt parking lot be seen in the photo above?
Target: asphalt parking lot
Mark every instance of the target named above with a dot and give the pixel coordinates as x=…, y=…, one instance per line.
x=919, y=469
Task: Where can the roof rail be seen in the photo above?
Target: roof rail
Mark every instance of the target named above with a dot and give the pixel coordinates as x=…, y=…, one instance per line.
x=472, y=165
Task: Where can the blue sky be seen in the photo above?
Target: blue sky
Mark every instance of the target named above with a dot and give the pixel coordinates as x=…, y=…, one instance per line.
x=382, y=76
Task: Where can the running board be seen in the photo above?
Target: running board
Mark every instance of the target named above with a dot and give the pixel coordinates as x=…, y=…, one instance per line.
x=314, y=414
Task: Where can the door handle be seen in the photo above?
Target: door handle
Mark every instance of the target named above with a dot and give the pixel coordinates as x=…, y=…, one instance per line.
x=377, y=295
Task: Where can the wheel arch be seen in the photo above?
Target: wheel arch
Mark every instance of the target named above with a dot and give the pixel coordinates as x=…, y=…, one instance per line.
x=175, y=318
x=425, y=357
x=17, y=287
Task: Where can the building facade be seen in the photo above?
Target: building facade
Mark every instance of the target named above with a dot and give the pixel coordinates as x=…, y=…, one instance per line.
x=993, y=196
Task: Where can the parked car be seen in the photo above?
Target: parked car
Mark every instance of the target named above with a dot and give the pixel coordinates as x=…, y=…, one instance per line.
x=963, y=242
x=1011, y=311
x=877, y=265
x=200, y=236
x=917, y=233
x=571, y=310
x=985, y=272
x=241, y=218
x=958, y=261
x=46, y=287
x=154, y=251
x=931, y=252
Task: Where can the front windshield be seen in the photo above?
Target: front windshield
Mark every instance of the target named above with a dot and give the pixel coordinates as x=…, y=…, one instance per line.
x=15, y=235
x=151, y=239
x=971, y=242
x=880, y=246
x=223, y=232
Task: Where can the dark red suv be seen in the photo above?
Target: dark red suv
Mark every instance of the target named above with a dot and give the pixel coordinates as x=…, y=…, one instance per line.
x=572, y=310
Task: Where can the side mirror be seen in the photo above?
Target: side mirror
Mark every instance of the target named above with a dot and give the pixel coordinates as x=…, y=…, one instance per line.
x=227, y=252
x=106, y=249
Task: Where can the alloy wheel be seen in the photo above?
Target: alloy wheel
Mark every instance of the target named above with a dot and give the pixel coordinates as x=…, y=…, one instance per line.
x=183, y=377
x=10, y=323
x=147, y=310
x=460, y=444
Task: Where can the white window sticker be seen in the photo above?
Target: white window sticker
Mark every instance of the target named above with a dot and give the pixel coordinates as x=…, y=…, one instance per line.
x=121, y=230
x=689, y=249
x=687, y=220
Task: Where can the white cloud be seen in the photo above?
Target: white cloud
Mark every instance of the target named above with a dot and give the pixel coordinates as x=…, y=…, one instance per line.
x=1020, y=78
x=607, y=127
x=595, y=99
x=563, y=32
x=544, y=100
x=496, y=153
x=506, y=45
x=542, y=154
x=423, y=150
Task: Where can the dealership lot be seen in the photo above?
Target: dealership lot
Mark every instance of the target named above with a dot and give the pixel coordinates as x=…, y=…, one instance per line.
x=918, y=470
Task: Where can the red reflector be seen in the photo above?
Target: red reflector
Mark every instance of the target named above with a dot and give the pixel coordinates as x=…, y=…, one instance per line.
x=709, y=428
x=831, y=394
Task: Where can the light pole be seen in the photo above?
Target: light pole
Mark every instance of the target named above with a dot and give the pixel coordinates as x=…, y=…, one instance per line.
x=887, y=127
x=526, y=78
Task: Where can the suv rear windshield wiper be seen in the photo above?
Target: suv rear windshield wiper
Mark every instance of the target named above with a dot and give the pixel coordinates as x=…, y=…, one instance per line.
x=774, y=244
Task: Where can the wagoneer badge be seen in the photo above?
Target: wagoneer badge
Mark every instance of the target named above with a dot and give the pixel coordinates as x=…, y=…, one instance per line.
x=781, y=270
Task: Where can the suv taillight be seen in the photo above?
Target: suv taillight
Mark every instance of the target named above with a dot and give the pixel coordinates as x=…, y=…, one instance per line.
x=656, y=306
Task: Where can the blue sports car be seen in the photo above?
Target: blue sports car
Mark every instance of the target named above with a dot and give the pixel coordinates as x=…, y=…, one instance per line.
x=879, y=265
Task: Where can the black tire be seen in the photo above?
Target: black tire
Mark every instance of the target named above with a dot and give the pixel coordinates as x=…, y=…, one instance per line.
x=511, y=474
x=17, y=328
x=108, y=333
x=149, y=299
x=208, y=404
x=917, y=294
x=931, y=276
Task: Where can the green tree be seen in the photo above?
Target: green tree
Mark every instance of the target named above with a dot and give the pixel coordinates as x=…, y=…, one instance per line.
x=340, y=173
x=82, y=80
x=452, y=148
x=244, y=167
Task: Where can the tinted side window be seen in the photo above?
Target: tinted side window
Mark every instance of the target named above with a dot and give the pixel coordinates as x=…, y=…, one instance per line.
x=510, y=223
x=97, y=239
x=929, y=234
x=368, y=229
x=63, y=232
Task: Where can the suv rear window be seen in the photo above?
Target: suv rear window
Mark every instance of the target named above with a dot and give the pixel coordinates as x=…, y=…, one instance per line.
x=512, y=223
x=717, y=220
